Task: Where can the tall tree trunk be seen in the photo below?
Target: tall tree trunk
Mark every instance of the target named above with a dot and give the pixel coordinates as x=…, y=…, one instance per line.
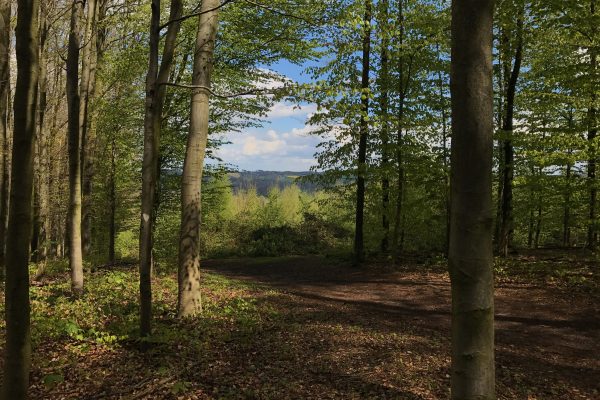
x=155, y=94
x=88, y=77
x=17, y=352
x=359, y=250
x=538, y=224
x=5, y=35
x=567, y=208
x=385, y=128
x=39, y=241
x=112, y=200
x=506, y=215
x=74, y=127
x=189, y=300
x=531, y=213
x=403, y=87
x=445, y=138
x=471, y=228
x=593, y=146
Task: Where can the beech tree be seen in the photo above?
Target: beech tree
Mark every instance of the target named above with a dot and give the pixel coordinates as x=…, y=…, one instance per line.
x=359, y=251
x=471, y=227
x=17, y=353
x=5, y=35
x=156, y=80
x=74, y=126
x=189, y=300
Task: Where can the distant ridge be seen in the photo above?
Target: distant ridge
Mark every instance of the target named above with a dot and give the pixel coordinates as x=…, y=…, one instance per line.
x=263, y=181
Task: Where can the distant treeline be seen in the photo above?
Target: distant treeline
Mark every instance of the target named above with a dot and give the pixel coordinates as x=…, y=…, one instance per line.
x=264, y=181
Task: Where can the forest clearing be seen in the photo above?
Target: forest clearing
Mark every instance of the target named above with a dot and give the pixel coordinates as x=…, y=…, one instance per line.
x=299, y=199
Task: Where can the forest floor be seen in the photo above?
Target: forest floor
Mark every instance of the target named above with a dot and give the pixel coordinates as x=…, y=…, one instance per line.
x=315, y=328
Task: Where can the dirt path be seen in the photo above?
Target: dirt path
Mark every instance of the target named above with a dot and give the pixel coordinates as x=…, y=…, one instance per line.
x=548, y=339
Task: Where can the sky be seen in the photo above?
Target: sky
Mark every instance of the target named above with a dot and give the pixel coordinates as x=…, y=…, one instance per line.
x=282, y=143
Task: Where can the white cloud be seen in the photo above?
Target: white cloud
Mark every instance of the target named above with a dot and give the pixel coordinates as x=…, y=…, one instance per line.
x=285, y=110
x=257, y=147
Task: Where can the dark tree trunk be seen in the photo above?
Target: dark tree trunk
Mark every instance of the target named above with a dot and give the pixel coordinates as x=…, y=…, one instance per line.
x=112, y=200
x=567, y=208
x=506, y=214
x=384, y=79
x=593, y=156
x=359, y=249
x=471, y=228
x=155, y=94
x=17, y=352
x=5, y=34
x=404, y=82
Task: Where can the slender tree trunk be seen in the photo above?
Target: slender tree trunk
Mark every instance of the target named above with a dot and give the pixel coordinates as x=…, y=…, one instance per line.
x=88, y=76
x=155, y=94
x=447, y=203
x=359, y=249
x=593, y=146
x=506, y=215
x=471, y=228
x=189, y=299
x=5, y=35
x=112, y=202
x=17, y=352
x=74, y=107
x=403, y=89
x=39, y=241
x=385, y=128
x=531, y=213
x=567, y=208
x=538, y=225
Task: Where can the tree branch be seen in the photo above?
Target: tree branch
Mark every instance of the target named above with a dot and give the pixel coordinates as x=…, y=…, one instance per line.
x=195, y=14
x=223, y=96
x=279, y=12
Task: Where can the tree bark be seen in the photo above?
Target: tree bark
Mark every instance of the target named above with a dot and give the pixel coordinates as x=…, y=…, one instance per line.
x=359, y=250
x=74, y=127
x=189, y=299
x=155, y=94
x=471, y=228
x=5, y=35
x=17, y=355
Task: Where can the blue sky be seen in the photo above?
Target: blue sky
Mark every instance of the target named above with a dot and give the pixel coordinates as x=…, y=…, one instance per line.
x=283, y=143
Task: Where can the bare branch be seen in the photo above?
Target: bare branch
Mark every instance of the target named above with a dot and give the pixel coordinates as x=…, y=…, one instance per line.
x=279, y=12
x=195, y=14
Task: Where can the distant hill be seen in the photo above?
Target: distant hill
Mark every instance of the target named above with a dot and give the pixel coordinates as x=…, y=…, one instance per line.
x=263, y=181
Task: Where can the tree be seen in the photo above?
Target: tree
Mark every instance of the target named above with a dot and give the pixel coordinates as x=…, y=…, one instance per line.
x=17, y=353
x=359, y=250
x=5, y=33
x=74, y=127
x=189, y=300
x=471, y=227
x=511, y=68
x=155, y=99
